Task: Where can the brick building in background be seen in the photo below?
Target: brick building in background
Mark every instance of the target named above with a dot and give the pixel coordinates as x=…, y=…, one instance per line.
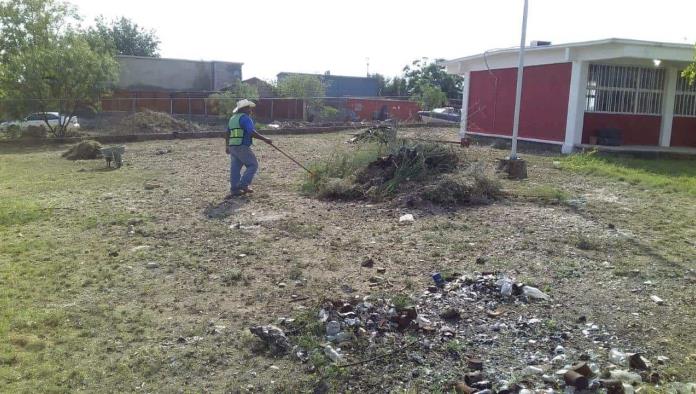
x=609, y=92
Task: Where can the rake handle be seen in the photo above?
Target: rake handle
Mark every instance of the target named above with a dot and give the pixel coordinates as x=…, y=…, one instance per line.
x=291, y=158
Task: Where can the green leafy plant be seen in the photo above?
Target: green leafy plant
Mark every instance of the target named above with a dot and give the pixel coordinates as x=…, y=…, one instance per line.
x=430, y=96
x=224, y=103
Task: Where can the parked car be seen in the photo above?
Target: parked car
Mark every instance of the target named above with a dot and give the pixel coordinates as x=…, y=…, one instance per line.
x=38, y=119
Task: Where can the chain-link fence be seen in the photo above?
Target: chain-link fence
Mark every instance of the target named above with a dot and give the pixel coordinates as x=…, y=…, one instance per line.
x=126, y=113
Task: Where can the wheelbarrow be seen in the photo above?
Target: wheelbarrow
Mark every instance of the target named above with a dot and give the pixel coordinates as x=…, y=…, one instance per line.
x=113, y=153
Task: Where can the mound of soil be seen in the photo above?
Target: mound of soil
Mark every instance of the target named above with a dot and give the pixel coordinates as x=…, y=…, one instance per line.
x=85, y=150
x=156, y=122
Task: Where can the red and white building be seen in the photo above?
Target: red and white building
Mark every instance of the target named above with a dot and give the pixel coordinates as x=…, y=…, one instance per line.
x=572, y=91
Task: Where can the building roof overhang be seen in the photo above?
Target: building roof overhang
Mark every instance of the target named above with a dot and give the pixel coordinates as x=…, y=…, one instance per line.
x=612, y=50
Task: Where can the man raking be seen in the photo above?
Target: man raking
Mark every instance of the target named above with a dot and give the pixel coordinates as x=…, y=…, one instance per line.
x=240, y=131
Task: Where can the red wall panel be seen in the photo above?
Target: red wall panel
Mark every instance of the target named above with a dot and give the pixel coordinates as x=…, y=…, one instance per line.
x=279, y=109
x=544, y=108
x=544, y=101
x=492, y=101
x=683, y=132
x=635, y=129
x=398, y=109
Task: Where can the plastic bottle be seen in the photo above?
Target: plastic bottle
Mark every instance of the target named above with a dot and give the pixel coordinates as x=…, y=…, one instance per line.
x=332, y=328
x=626, y=377
x=533, y=292
x=333, y=354
x=506, y=288
x=618, y=357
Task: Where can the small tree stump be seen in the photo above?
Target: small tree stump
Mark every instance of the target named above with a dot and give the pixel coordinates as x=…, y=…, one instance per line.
x=515, y=168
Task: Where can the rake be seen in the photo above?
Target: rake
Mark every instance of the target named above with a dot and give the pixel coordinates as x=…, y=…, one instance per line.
x=313, y=175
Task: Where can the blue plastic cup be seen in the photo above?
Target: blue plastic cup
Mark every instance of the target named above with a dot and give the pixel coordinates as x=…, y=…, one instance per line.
x=437, y=277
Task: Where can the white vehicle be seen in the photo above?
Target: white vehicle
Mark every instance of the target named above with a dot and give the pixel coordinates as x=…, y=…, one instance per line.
x=39, y=119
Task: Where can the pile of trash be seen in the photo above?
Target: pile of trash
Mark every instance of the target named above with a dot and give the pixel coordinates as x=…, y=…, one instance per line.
x=155, y=122
x=482, y=333
x=382, y=134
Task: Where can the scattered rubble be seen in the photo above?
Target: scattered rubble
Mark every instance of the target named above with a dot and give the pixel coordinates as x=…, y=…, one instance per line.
x=274, y=337
x=481, y=327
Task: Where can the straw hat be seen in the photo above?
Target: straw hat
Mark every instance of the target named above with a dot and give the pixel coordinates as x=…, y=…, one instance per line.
x=244, y=103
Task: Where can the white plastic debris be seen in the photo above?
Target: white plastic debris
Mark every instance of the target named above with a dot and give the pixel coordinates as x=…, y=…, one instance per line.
x=534, y=293
x=618, y=357
x=626, y=377
x=559, y=360
x=505, y=287
x=532, y=370
x=407, y=219
x=333, y=354
x=657, y=300
x=323, y=315
x=423, y=322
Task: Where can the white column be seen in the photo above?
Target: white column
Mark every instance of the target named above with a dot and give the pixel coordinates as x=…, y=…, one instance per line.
x=465, y=105
x=670, y=92
x=576, y=106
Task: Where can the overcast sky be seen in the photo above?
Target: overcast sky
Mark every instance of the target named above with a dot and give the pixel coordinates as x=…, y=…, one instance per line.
x=315, y=36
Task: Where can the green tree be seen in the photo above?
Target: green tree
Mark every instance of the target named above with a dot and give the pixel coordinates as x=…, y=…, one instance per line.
x=125, y=37
x=389, y=87
x=424, y=72
x=690, y=72
x=55, y=68
x=26, y=24
x=307, y=87
x=395, y=87
x=226, y=101
x=430, y=96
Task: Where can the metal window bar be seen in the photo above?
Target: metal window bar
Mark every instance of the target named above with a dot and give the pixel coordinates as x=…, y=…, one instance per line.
x=624, y=89
x=685, y=100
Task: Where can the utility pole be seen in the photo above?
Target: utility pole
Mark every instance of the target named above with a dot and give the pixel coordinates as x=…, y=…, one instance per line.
x=518, y=93
x=513, y=165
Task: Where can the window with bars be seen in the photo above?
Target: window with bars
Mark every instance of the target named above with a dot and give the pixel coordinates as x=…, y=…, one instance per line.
x=624, y=89
x=685, y=100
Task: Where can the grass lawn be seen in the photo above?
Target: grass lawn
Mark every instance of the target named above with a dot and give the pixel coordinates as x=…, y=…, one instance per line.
x=107, y=285
x=665, y=175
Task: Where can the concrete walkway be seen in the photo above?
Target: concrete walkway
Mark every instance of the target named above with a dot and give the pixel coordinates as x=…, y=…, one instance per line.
x=646, y=150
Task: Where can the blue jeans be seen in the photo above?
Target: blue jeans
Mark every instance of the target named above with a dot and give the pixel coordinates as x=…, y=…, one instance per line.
x=242, y=156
